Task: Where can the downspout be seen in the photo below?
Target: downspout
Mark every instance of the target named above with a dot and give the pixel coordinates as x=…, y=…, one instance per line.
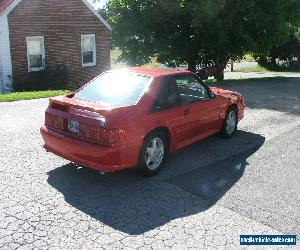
x=1, y=78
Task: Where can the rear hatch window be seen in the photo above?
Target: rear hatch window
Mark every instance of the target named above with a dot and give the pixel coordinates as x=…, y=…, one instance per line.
x=115, y=89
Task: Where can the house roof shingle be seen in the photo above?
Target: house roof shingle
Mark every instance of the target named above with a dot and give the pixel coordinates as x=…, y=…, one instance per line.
x=4, y=4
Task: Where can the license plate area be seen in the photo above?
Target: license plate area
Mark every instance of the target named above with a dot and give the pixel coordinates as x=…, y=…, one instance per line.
x=73, y=126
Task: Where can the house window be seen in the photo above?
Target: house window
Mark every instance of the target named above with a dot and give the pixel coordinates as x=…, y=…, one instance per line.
x=88, y=50
x=35, y=53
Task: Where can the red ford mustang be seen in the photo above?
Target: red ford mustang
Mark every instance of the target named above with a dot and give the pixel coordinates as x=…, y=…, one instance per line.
x=136, y=117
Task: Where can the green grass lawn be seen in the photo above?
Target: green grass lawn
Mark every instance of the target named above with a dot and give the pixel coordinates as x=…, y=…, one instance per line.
x=17, y=96
x=252, y=69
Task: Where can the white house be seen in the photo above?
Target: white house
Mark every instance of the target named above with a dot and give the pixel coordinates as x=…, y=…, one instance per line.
x=5, y=58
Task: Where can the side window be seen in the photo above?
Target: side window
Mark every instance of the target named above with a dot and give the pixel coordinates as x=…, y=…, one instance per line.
x=35, y=53
x=191, y=89
x=88, y=50
x=167, y=95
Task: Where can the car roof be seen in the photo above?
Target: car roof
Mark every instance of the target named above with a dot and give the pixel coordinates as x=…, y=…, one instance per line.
x=153, y=71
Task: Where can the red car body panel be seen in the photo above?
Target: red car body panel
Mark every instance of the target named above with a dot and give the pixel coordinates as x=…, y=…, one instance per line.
x=102, y=158
x=184, y=124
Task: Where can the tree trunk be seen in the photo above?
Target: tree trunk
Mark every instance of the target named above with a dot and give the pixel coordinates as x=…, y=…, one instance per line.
x=231, y=65
x=220, y=71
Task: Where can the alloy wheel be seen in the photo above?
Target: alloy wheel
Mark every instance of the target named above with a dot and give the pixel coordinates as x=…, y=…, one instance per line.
x=231, y=122
x=154, y=153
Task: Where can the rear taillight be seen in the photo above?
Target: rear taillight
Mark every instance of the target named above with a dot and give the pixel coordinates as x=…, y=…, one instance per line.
x=49, y=119
x=56, y=122
x=111, y=136
x=93, y=133
x=105, y=136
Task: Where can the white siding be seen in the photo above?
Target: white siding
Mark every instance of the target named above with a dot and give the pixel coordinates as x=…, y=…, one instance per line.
x=5, y=57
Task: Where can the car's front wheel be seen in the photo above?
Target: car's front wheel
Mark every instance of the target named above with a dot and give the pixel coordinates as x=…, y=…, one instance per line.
x=230, y=123
x=153, y=153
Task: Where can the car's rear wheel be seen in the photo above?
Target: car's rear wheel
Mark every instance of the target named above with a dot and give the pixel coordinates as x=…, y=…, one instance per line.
x=230, y=123
x=153, y=153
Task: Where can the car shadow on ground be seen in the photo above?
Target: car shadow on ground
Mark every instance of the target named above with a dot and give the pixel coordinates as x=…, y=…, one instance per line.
x=130, y=203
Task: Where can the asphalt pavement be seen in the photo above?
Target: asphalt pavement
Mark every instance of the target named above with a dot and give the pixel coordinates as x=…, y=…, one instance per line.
x=206, y=196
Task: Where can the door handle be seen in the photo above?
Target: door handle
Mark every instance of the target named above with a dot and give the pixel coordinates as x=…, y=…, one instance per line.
x=186, y=112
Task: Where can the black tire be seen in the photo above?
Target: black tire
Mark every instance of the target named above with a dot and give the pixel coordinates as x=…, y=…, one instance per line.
x=225, y=131
x=142, y=165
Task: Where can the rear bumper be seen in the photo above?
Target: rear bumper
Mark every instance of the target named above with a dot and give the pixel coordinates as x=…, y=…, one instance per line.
x=106, y=159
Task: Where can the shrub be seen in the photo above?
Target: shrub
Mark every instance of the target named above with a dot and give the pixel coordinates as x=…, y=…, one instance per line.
x=42, y=80
x=283, y=57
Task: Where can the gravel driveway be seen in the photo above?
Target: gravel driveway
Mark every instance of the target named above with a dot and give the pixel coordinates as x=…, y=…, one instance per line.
x=208, y=194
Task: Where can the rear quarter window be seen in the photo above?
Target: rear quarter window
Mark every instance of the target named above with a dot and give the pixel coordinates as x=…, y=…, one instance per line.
x=115, y=89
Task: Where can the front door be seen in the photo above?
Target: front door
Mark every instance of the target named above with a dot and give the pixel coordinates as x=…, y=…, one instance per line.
x=200, y=109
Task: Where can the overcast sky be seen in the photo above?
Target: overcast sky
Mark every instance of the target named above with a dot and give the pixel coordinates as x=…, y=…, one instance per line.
x=99, y=4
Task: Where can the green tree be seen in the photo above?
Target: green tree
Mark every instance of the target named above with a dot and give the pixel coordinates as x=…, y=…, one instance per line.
x=284, y=56
x=194, y=32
